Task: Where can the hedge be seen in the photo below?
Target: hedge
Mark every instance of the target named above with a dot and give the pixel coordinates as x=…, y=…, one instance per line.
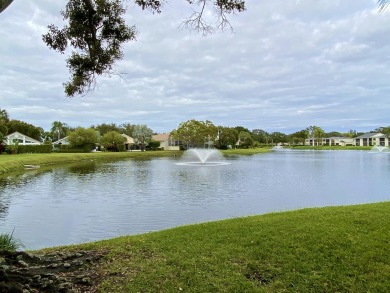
x=35, y=149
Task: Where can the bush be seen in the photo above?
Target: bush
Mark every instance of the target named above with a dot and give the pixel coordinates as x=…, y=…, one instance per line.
x=35, y=149
x=70, y=149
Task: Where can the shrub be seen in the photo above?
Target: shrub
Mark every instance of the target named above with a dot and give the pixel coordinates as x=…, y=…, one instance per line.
x=35, y=149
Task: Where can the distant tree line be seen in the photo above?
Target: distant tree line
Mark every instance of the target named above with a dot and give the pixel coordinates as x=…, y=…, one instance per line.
x=192, y=133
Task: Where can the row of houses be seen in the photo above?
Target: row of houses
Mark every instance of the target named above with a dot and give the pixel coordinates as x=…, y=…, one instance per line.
x=166, y=141
x=366, y=139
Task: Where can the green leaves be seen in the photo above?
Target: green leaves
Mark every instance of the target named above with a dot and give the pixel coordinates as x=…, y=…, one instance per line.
x=96, y=30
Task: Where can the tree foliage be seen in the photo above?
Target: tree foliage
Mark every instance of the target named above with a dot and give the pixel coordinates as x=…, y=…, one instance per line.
x=260, y=135
x=83, y=138
x=194, y=133
x=245, y=139
x=384, y=130
x=316, y=132
x=96, y=30
x=112, y=140
x=141, y=135
x=106, y=127
x=59, y=130
x=227, y=136
x=25, y=128
x=298, y=137
x=4, y=4
x=126, y=128
x=278, y=137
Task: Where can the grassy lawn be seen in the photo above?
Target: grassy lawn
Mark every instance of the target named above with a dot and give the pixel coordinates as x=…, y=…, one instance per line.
x=333, y=249
x=12, y=163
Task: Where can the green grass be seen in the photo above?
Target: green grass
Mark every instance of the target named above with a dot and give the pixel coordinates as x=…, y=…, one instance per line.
x=245, y=152
x=333, y=249
x=14, y=163
x=9, y=243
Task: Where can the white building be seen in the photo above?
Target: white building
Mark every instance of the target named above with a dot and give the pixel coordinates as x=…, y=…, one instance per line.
x=21, y=139
x=372, y=139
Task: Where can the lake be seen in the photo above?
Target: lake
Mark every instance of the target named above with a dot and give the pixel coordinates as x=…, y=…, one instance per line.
x=92, y=201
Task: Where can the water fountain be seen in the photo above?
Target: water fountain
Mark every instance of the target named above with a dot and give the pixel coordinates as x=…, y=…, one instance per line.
x=277, y=148
x=202, y=157
x=380, y=149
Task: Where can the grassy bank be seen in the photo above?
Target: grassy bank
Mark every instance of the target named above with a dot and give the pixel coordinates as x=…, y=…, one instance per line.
x=245, y=152
x=13, y=163
x=335, y=249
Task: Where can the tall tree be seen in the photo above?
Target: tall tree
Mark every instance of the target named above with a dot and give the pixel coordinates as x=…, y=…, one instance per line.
x=59, y=130
x=126, y=128
x=298, y=137
x=227, y=136
x=317, y=133
x=196, y=133
x=106, y=127
x=142, y=134
x=260, y=135
x=245, y=139
x=278, y=137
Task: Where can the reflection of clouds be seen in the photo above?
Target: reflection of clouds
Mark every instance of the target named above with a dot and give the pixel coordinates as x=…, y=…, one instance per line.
x=67, y=205
x=8, y=184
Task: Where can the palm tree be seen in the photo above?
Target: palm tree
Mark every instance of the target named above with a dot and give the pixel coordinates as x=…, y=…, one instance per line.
x=60, y=129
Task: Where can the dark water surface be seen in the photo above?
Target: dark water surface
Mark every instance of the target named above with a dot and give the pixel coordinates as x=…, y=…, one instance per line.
x=93, y=201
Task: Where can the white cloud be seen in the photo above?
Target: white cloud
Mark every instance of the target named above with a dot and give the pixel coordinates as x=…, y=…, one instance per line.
x=287, y=65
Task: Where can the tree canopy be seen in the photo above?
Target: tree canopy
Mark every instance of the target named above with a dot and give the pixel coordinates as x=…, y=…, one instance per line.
x=96, y=31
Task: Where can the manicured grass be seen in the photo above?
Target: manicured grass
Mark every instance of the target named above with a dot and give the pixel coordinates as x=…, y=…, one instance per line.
x=12, y=163
x=244, y=152
x=334, y=249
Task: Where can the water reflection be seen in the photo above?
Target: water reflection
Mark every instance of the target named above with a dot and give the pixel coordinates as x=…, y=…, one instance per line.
x=92, y=200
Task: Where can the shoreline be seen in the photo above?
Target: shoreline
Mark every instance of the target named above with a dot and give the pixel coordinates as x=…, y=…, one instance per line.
x=18, y=162
x=333, y=249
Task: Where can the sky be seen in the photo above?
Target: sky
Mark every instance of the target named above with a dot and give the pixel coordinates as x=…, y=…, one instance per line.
x=286, y=65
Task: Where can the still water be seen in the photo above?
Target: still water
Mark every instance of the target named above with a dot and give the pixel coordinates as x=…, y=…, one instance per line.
x=93, y=201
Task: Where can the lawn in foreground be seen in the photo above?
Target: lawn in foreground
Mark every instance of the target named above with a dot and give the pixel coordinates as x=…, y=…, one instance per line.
x=334, y=249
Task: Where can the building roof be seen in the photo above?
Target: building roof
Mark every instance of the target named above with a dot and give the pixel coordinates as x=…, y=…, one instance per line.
x=339, y=137
x=18, y=135
x=129, y=139
x=370, y=134
x=63, y=140
x=161, y=137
